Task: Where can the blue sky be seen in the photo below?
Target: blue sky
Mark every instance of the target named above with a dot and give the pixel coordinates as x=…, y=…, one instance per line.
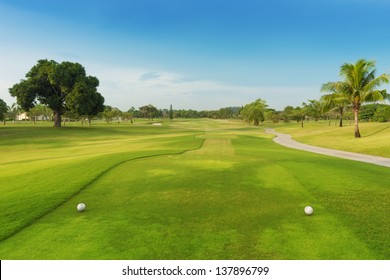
x=196, y=54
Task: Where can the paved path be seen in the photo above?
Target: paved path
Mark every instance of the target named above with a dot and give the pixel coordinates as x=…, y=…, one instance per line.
x=286, y=140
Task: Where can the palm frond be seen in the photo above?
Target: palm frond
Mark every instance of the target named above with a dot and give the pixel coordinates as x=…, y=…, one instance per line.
x=373, y=96
x=334, y=100
x=346, y=69
x=385, y=95
x=332, y=87
x=369, y=76
x=376, y=82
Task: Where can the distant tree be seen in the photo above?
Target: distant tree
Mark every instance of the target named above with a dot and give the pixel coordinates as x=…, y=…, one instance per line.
x=274, y=116
x=331, y=115
x=367, y=111
x=163, y=113
x=131, y=114
x=108, y=113
x=127, y=116
x=62, y=87
x=335, y=102
x=382, y=113
x=170, y=113
x=47, y=113
x=35, y=112
x=117, y=114
x=299, y=113
x=287, y=114
x=359, y=86
x=148, y=111
x=225, y=113
x=3, y=110
x=14, y=111
x=69, y=116
x=254, y=112
x=314, y=110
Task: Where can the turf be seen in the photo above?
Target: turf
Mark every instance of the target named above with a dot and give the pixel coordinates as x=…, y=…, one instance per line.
x=187, y=190
x=375, y=136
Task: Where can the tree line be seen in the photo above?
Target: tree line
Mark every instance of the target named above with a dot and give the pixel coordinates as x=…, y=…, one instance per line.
x=64, y=91
x=256, y=113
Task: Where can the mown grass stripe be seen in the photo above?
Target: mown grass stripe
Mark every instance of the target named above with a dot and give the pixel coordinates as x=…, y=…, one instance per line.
x=56, y=206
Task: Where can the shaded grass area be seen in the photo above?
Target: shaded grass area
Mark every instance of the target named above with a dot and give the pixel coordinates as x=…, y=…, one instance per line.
x=238, y=197
x=38, y=178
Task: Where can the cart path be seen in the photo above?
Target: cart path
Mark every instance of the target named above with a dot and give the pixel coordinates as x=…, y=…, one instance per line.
x=286, y=140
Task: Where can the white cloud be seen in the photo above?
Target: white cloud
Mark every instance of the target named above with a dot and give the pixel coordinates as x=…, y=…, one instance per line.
x=126, y=87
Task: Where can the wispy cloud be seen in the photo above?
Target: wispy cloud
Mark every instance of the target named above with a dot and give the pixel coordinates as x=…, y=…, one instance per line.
x=149, y=76
x=126, y=87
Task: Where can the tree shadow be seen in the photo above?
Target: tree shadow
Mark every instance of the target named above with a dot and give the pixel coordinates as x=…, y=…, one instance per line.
x=380, y=130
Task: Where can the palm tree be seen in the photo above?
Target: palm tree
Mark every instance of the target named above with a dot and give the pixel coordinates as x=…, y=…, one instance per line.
x=15, y=110
x=359, y=86
x=335, y=102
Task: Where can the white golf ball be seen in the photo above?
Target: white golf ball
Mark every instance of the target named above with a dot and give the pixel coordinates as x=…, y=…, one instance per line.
x=309, y=210
x=80, y=207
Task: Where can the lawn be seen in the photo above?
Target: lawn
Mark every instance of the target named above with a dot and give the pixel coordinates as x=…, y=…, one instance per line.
x=375, y=138
x=198, y=189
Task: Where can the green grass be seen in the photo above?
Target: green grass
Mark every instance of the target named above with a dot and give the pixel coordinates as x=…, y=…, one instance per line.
x=188, y=190
x=375, y=136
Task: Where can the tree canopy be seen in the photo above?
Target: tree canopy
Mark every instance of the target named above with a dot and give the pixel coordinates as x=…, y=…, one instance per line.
x=149, y=111
x=62, y=87
x=254, y=112
x=3, y=110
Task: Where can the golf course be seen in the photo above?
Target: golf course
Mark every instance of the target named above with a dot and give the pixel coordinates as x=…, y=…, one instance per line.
x=197, y=189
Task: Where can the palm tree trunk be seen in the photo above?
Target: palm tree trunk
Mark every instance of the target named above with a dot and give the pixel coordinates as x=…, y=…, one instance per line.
x=357, y=133
x=341, y=117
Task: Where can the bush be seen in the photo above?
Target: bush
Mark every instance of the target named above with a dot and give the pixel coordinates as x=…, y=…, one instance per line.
x=382, y=114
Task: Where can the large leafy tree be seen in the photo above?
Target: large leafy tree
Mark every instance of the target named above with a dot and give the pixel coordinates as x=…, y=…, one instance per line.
x=149, y=111
x=62, y=87
x=3, y=110
x=254, y=112
x=359, y=86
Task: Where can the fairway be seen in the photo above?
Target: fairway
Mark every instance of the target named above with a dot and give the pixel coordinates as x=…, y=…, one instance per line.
x=194, y=189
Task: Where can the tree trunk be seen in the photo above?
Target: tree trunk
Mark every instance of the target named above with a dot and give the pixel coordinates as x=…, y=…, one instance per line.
x=341, y=118
x=357, y=133
x=57, y=119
